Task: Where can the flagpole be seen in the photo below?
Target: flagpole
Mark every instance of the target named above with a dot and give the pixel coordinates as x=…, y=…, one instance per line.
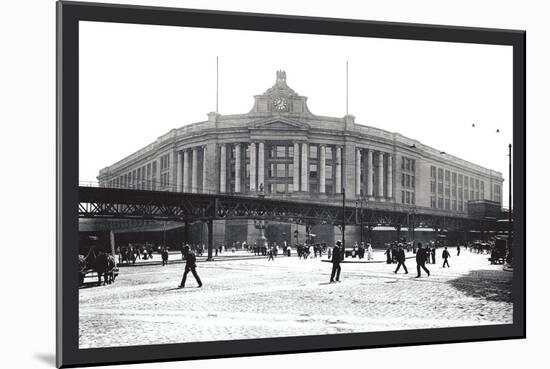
x=347, y=96
x=217, y=83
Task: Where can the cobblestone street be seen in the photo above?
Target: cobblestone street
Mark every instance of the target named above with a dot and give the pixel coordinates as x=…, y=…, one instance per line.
x=255, y=298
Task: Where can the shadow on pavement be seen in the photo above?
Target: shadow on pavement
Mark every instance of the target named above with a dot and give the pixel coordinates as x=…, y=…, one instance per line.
x=491, y=285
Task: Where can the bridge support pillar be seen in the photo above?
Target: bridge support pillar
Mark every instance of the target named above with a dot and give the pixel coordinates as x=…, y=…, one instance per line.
x=398, y=232
x=187, y=233
x=210, y=226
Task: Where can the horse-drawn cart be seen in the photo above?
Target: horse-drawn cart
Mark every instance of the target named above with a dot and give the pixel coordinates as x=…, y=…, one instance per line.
x=95, y=265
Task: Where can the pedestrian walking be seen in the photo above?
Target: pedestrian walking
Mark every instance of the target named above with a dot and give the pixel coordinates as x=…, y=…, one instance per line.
x=336, y=255
x=270, y=254
x=400, y=257
x=388, y=253
x=421, y=260
x=433, y=254
x=458, y=250
x=190, y=266
x=164, y=255
x=445, y=255
x=369, y=252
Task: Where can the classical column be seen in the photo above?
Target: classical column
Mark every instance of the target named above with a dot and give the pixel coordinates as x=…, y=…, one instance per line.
x=370, y=174
x=178, y=172
x=357, y=171
x=204, y=187
x=338, y=171
x=157, y=176
x=261, y=165
x=223, y=168
x=380, y=174
x=390, y=176
x=252, y=166
x=305, y=168
x=194, y=170
x=296, y=178
x=237, y=167
x=322, y=174
x=186, y=171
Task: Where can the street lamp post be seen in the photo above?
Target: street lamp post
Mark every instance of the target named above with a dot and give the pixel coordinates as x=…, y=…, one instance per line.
x=360, y=203
x=413, y=213
x=343, y=223
x=510, y=254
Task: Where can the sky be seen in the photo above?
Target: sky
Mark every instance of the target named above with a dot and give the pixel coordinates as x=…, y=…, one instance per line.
x=137, y=82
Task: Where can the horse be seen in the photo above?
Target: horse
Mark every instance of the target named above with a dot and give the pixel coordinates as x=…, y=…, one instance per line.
x=103, y=264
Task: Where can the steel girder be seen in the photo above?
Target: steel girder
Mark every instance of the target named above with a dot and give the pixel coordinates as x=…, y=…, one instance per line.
x=100, y=202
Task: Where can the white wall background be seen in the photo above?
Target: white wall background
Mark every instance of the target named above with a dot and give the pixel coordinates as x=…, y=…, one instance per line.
x=27, y=88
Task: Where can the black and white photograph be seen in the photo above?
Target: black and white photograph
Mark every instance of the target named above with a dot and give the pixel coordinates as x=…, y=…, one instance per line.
x=238, y=184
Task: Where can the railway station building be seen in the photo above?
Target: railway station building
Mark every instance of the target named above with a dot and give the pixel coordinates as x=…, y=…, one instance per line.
x=280, y=149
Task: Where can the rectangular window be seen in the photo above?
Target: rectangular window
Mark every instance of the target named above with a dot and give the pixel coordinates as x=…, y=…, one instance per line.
x=447, y=176
x=312, y=170
x=432, y=172
x=280, y=171
x=433, y=204
x=460, y=206
x=291, y=151
x=440, y=174
x=328, y=153
x=313, y=152
x=440, y=202
x=328, y=171
x=440, y=188
x=447, y=204
x=432, y=187
x=402, y=197
x=281, y=151
x=408, y=197
x=290, y=170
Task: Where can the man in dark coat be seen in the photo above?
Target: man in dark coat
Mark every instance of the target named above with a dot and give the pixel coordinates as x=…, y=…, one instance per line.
x=400, y=257
x=336, y=255
x=421, y=260
x=190, y=265
x=445, y=255
x=432, y=251
x=388, y=255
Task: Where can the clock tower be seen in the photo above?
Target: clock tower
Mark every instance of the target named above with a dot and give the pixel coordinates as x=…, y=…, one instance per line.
x=280, y=99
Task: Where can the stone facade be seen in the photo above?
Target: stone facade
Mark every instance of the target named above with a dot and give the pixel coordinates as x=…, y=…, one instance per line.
x=280, y=147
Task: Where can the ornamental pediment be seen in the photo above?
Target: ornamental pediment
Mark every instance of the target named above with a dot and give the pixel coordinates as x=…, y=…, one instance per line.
x=280, y=123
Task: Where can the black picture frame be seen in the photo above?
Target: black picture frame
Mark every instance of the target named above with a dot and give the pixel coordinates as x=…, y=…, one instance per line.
x=68, y=16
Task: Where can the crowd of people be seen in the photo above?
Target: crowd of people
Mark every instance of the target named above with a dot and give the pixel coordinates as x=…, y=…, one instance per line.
x=395, y=253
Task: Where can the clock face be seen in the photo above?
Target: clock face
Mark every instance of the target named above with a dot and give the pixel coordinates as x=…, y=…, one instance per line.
x=280, y=103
